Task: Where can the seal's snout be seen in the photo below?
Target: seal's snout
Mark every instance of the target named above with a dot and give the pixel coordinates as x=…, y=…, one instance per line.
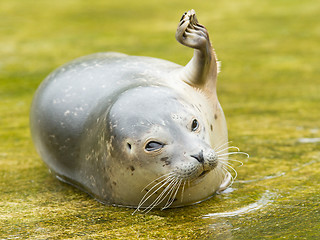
x=199, y=157
x=207, y=161
x=210, y=160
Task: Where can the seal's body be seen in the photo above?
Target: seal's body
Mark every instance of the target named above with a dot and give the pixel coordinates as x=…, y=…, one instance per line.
x=136, y=131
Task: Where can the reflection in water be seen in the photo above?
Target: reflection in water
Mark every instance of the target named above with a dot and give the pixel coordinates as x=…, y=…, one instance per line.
x=309, y=140
x=276, y=175
x=228, y=190
x=266, y=198
x=304, y=165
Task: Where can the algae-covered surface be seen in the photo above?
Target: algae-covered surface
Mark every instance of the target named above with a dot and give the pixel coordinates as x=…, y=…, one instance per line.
x=269, y=88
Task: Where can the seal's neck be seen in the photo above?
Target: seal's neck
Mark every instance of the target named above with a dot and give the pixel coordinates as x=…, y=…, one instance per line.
x=202, y=70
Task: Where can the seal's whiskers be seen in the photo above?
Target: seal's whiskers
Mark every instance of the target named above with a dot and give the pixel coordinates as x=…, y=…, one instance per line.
x=235, y=160
x=219, y=147
x=184, y=184
x=153, y=191
x=225, y=160
x=157, y=179
x=170, y=185
x=161, y=197
x=227, y=166
x=232, y=147
x=173, y=194
x=232, y=153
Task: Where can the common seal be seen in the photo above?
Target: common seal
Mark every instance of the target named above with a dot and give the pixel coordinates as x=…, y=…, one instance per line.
x=136, y=131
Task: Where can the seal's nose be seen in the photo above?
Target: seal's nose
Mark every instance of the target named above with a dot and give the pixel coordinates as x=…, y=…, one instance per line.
x=199, y=156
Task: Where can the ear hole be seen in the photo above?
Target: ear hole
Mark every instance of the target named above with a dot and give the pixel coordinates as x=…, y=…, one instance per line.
x=129, y=146
x=194, y=125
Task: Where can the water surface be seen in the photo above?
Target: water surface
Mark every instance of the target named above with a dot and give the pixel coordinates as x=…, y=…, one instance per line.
x=269, y=88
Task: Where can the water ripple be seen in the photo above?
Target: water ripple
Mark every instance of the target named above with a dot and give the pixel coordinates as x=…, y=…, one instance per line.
x=276, y=175
x=266, y=198
x=309, y=140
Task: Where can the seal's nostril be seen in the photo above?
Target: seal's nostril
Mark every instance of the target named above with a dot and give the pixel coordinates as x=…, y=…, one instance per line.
x=199, y=157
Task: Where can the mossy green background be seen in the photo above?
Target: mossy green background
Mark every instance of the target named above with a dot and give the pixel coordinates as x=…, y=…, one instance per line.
x=269, y=88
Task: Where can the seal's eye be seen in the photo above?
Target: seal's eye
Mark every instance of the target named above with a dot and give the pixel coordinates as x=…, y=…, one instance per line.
x=194, y=125
x=153, y=146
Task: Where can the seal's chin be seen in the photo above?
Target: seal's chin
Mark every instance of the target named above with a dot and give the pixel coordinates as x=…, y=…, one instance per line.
x=200, y=177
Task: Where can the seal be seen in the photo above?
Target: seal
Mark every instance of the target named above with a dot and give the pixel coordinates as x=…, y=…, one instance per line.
x=136, y=131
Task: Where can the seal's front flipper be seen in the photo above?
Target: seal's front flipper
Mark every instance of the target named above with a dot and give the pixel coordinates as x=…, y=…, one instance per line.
x=190, y=33
x=202, y=70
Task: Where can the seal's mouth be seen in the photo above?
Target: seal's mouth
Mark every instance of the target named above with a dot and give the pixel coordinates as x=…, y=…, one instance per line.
x=204, y=173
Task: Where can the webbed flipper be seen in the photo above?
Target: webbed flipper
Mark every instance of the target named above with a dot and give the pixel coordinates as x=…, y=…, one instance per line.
x=202, y=69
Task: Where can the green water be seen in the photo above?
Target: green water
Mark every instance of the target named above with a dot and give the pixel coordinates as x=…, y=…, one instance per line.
x=269, y=88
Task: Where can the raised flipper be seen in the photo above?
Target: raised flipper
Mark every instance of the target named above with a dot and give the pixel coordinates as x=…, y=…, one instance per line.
x=202, y=69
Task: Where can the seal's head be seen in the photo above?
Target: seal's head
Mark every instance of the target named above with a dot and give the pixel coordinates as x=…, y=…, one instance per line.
x=162, y=144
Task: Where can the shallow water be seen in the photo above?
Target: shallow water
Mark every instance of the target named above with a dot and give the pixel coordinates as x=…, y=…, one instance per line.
x=266, y=198
x=269, y=88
